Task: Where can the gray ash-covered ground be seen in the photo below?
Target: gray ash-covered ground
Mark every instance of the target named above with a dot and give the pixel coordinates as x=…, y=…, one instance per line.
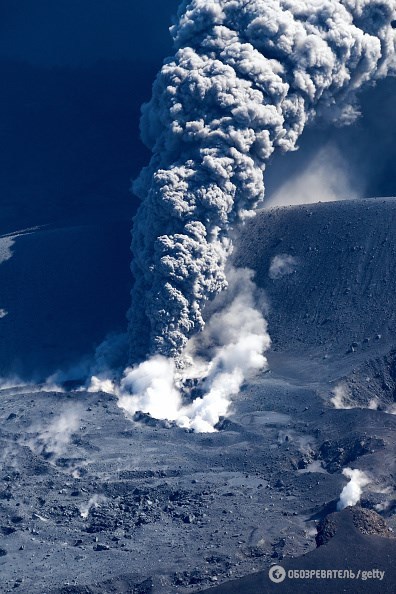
x=354, y=541
x=91, y=501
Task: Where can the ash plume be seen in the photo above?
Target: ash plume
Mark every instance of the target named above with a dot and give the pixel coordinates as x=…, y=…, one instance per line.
x=246, y=78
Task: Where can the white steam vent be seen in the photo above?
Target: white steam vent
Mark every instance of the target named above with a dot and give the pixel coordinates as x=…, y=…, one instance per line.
x=352, y=492
x=229, y=350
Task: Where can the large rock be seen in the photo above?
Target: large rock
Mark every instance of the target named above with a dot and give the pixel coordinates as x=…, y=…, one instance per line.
x=365, y=520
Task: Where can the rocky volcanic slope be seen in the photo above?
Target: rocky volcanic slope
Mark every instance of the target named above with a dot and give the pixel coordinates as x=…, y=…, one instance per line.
x=355, y=540
x=92, y=502
x=336, y=299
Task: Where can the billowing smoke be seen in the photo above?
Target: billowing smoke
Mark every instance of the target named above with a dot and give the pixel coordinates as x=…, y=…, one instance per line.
x=352, y=492
x=218, y=360
x=246, y=78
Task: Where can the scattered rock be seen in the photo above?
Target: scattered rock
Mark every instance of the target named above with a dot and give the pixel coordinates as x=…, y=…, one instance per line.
x=147, y=419
x=225, y=424
x=101, y=547
x=255, y=552
x=337, y=454
x=7, y=530
x=325, y=531
x=145, y=587
x=369, y=522
x=16, y=519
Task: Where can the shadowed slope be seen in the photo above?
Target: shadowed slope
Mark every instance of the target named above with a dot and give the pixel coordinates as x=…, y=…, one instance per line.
x=334, y=278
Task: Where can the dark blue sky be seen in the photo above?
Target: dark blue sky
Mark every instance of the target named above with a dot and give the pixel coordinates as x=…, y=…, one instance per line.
x=74, y=74
x=73, y=77
x=80, y=32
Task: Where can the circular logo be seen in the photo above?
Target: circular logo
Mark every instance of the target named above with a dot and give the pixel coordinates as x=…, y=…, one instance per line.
x=277, y=574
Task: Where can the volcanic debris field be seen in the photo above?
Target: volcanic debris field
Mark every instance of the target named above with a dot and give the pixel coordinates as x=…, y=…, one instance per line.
x=94, y=502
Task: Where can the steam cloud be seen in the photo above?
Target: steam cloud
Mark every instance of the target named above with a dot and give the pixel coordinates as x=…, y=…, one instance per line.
x=247, y=76
x=56, y=436
x=229, y=350
x=94, y=501
x=281, y=265
x=351, y=493
x=325, y=179
x=342, y=399
x=6, y=244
